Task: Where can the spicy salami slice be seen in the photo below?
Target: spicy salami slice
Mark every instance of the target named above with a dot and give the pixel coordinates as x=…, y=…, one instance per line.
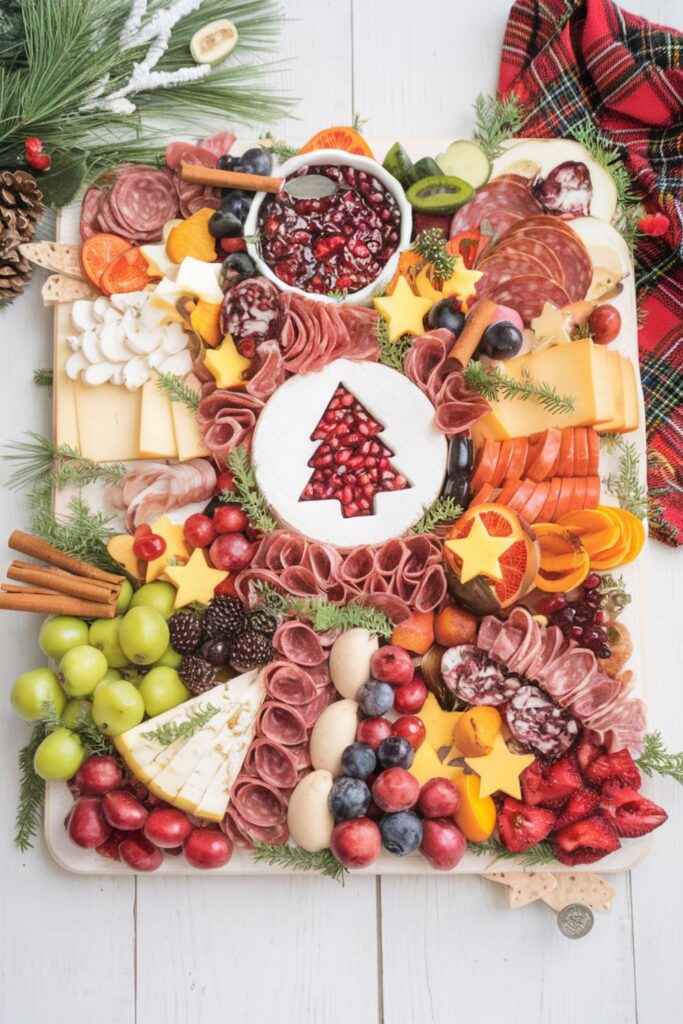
x=528, y=293
x=299, y=642
x=288, y=683
x=258, y=802
x=501, y=202
x=473, y=677
x=281, y=723
x=91, y=204
x=576, y=263
x=142, y=200
x=514, y=246
x=539, y=724
x=273, y=763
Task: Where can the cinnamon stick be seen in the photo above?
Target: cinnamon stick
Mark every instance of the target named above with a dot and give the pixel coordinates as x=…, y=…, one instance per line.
x=62, y=582
x=34, y=547
x=229, y=179
x=471, y=334
x=33, y=599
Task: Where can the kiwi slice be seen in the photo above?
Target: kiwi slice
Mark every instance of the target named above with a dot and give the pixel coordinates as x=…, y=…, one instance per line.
x=398, y=163
x=424, y=168
x=439, y=193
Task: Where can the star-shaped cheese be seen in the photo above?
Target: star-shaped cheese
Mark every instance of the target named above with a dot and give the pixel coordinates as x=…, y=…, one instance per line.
x=462, y=282
x=175, y=547
x=195, y=581
x=227, y=365
x=479, y=552
x=550, y=328
x=403, y=311
x=499, y=771
x=120, y=548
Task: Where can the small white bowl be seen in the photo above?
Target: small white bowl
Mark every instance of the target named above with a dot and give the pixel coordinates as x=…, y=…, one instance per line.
x=361, y=163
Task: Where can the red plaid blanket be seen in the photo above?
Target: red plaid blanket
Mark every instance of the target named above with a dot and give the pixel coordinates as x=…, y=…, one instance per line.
x=573, y=59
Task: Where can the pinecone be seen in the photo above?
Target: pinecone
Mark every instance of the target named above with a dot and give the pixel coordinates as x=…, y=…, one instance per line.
x=262, y=621
x=223, y=619
x=20, y=207
x=185, y=630
x=251, y=650
x=197, y=674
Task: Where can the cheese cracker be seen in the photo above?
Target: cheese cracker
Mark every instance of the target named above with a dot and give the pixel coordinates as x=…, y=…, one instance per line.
x=525, y=886
x=58, y=288
x=583, y=887
x=58, y=257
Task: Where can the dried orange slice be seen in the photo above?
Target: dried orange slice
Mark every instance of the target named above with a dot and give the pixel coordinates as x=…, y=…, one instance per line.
x=339, y=137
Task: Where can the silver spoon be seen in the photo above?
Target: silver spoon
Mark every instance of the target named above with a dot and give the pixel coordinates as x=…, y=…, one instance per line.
x=304, y=186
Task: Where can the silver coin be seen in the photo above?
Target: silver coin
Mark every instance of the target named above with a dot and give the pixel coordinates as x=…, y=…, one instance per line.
x=575, y=920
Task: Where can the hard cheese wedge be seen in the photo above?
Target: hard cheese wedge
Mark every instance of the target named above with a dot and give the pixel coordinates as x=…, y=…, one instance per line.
x=187, y=438
x=65, y=420
x=157, y=437
x=631, y=405
x=108, y=422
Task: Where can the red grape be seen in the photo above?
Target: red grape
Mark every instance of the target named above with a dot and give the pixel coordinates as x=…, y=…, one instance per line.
x=231, y=551
x=138, y=853
x=226, y=586
x=98, y=775
x=123, y=810
x=207, y=848
x=225, y=482
x=229, y=519
x=411, y=728
x=604, y=324
x=86, y=823
x=167, y=827
x=199, y=530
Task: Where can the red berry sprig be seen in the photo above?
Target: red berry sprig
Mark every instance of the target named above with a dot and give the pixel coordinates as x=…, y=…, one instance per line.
x=654, y=224
x=34, y=155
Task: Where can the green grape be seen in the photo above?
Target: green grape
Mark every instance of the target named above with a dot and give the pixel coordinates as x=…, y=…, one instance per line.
x=143, y=635
x=81, y=669
x=170, y=658
x=112, y=675
x=125, y=597
x=76, y=712
x=59, y=756
x=162, y=689
x=32, y=690
x=117, y=708
x=60, y=633
x=104, y=635
x=158, y=595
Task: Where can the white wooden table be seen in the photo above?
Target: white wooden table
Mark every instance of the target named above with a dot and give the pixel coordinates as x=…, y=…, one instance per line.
x=306, y=951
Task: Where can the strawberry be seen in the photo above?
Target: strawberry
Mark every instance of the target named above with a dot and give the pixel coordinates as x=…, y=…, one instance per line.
x=521, y=827
x=585, y=841
x=550, y=784
x=581, y=804
x=586, y=751
x=608, y=767
x=628, y=812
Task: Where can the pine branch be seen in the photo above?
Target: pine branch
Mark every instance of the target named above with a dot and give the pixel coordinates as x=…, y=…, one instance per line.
x=177, y=389
x=328, y=615
x=656, y=758
x=392, y=353
x=608, y=155
x=496, y=121
x=247, y=493
x=625, y=485
x=297, y=859
x=31, y=791
x=81, y=532
x=269, y=597
x=359, y=123
x=172, y=731
x=96, y=742
x=493, y=385
x=541, y=853
x=280, y=149
x=40, y=458
x=443, y=510
x=431, y=245
x=42, y=377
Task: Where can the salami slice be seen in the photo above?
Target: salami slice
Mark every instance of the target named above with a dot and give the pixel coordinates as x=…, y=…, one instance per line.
x=245, y=834
x=288, y=683
x=143, y=199
x=299, y=642
x=539, y=724
x=576, y=263
x=473, y=677
x=513, y=246
x=273, y=763
x=258, y=802
x=281, y=723
x=528, y=293
x=312, y=711
x=91, y=204
x=251, y=313
x=501, y=202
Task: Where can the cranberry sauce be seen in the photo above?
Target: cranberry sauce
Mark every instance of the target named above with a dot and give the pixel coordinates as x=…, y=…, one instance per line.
x=339, y=243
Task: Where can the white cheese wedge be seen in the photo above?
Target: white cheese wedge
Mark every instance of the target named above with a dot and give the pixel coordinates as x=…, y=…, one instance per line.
x=608, y=251
x=214, y=802
x=158, y=262
x=195, y=277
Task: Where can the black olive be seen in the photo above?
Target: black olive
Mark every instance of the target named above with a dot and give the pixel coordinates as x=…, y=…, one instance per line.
x=501, y=340
x=255, y=161
x=457, y=487
x=224, y=225
x=238, y=266
x=226, y=162
x=460, y=455
x=446, y=313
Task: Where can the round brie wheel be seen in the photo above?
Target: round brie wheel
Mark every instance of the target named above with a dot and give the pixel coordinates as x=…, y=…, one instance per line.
x=282, y=448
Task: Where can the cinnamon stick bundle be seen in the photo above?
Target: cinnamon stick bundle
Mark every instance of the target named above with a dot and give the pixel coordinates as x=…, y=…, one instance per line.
x=39, y=549
x=33, y=599
x=62, y=582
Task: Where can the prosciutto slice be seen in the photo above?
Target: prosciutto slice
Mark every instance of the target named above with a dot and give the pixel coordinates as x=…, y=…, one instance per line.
x=226, y=419
x=427, y=364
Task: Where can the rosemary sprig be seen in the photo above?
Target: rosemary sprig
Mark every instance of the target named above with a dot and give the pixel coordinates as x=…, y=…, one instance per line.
x=177, y=389
x=294, y=857
x=338, y=294
x=81, y=532
x=359, y=123
x=92, y=738
x=615, y=597
x=625, y=485
x=495, y=121
x=327, y=615
x=392, y=353
x=31, y=791
x=432, y=247
x=656, y=758
x=172, y=731
x=443, y=510
x=279, y=148
x=247, y=493
x=494, y=384
x=40, y=458
x=541, y=853
x=42, y=377
x=269, y=597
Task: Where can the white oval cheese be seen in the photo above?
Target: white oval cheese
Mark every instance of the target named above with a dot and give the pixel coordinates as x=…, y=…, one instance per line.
x=334, y=731
x=350, y=660
x=309, y=818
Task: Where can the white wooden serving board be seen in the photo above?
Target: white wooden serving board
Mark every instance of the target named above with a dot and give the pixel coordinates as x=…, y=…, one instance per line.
x=59, y=801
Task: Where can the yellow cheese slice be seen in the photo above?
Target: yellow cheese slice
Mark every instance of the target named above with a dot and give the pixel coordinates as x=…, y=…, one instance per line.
x=631, y=404
x=187, y=437
x=157, y=436
x=617, y=388
x=65, y=420
x=108, y=422
x=438, y=723
x=604, y=396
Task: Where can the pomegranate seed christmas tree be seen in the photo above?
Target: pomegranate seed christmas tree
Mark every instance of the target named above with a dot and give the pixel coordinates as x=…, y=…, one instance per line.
x=350, y=465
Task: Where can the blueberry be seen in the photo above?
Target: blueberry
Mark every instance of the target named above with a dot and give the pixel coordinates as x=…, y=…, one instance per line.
x=224, y=225
x=446, y=314
x=375, y=698
x=349, y=798
x=401, y=832
x=255, y=161
x=237, y=203
x=226, y=162
x=501, y=340
x=395, y=752
x=238, y=266
x=359, y=760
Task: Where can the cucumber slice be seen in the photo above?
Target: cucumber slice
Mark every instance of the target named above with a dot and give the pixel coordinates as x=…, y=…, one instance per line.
x=467, y=160
x=398, y=163
x=440, y=193
x=424, y=168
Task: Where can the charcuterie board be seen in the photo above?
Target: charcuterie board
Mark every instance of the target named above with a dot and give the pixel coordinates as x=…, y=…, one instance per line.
x=406, y=422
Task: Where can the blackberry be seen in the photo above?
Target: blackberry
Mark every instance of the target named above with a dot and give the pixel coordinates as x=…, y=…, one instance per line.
x=251, y=650
x=262, y=621
x=223, y=619
x=185, y=631
x=197, y=673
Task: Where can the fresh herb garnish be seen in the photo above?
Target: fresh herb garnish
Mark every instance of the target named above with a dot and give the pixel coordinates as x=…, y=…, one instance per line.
x=327, y=615
x=615, y=597
x=31, y=791
x=269, y=597
x=493, y=384
x=625, y=485
x=656, y=758
x=432, y=246
x=496, y=121
x=93, y=739
x=80, y=532
x=359, y=123
x=177, y=389
x=279, y=148
x=294, y=857
x=40, y=458
x=392, y=353
x=443, y=510
x=541, y=853
x=608, y=155
x=338, y=294
x=247, y=493
x=43, y=377
x=172, y=731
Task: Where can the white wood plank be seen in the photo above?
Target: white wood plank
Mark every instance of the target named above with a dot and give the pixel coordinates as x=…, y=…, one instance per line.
x=245, y=951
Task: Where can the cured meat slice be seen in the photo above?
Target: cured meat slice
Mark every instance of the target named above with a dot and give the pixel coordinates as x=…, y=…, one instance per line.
x=572, y=254
x=251, y=313
x=281, y=723
x=389, y=604
x=219, y=144
x=431, y=590
x=288, y=683
x=627, y=727
x=273, y=763
x=312, y=711
x=513, y=246
x=267, y=370
x=539, y=724
x=258, y=802
x=89, y=209
x=568, y=674
x=552, y=641
x=488, y=631
x=501, y=202
x=299, y=642
x=141, y=200
x=226, y=419
x=177, y=152
x=473, y=677
x=597, y=699
x=245, y=834
x=500, y=268
x=566, y=191
x=458, y=408
x=527, y=294
x=506, y=644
